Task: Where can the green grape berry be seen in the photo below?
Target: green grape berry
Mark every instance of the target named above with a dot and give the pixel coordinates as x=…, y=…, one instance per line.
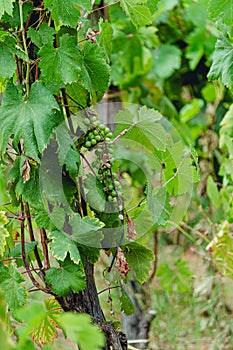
x=93, y=119
x=109, y=134
x=90, y=135
x=93, y=142
x=102, y=127
x=110, y=187
x=98, y=138
x=108, y=139
x=96, y=123
x=107, y=130
x=88, y=144
x=87, y=121
x=110, y=198
x=114, y=194
x=95, y=132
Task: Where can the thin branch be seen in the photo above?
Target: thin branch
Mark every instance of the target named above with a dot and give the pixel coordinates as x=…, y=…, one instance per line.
x=155, y=261
x=22, y=29
x=107, y=289
x=34, y=281
x=32, y=237
x=67, y=110
x=89, y=164
x=106, y=6
x=44, y=243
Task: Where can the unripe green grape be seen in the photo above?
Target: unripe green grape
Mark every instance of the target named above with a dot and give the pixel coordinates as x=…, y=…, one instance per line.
x=88, y=144
x=87, y=121
x=102, y=127
x=93, y=119
x=110, y=198
x=98, y=138
x=93, y=142
x=114, y=194
x=109, y=134
x=96, y=123
x=110, y=187
x=90, y=135
x=95, y=132
x=106, y=130
x=114, y=200
x=108, y=139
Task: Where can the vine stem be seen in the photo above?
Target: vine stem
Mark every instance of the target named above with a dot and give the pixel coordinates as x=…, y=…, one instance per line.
x=32, y=237
x=22, y=29
x=22, y=230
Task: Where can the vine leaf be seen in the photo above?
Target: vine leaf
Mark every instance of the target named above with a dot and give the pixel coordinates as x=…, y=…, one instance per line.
x=7, y=52
x=223, y=9
x=66, y=278
x=95, y=73
x=61, y=65
x=222, y=65
x=81, y=330
x=30, y=190
x=139, y=259
x=85, y=230
x=139, y=14
x=67, y=12
x=16, y=252
x=10, y=281
x=40, y=321
x=3, y=232
x=212, y=192
x=6, y=6
x=29, y=119
x=44, y=35
x=62, y=244
x=145, y=128
x=127, y=306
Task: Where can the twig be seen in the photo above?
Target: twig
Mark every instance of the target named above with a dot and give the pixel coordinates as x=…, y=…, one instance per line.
x=88, y=163
x=34, y=281
x=67, y=110
x=22, y=29
x=44, y=241
x=104, y=7
x=32, y=237
x=106, y=289
x=155, y=261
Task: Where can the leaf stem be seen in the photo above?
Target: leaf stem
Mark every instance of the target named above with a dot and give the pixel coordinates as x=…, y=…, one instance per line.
x=22, y=29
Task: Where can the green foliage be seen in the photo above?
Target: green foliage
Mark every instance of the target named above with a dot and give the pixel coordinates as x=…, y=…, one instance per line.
x=176, y=277
x=68, y=246
x=68, y=277
x=221, y=9
x=139, y=14
x=139, y=259
x=67, y=13
x=71, y=187
x=127, y=306
x=6, y=6
x=80, y=329
x=222, y=62
x=30, y=119
x=10, y=284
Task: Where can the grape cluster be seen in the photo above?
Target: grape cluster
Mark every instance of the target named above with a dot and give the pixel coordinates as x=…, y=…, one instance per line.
x=98, y=133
